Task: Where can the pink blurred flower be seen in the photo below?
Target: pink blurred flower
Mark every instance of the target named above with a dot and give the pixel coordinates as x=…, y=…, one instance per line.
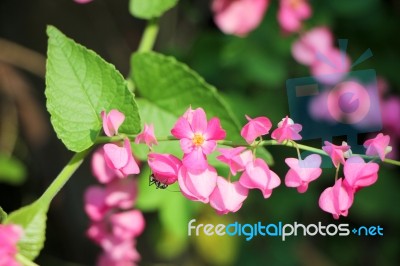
x=82, y=1
x=331, y=66
x=165, y=167
x=337, y=199
x=302, y=172
x=255, y=128
x=337, y=153
x=127, y=225
x=227, y=196
x=112, y=121
x=10, y=234
x=95, y=205
x=106, y=260
x=291, y=14
x=258, y=175
x=121, y=158
x=100, y=169
x=238, y=17
x=232, y=157
x=121, y=193
x=287, y=130
x=197, y=185
x=378, y=146
x=117, y=194
x=197, y=137
x=119, y=250
x=98, y=231
x=147, y=136
x=390, y=109
x=318, y=40
x=359, y=174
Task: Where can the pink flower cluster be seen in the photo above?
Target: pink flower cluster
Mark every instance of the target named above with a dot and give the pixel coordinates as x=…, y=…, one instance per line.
x=199, y=181
x=115, y=225
x=315, y=49
x=239, y=17
x=357, y=174
x=9, y=237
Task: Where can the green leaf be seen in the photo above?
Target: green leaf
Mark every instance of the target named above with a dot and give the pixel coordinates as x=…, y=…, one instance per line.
x=171, y=86
x=3, y=215
x=32, y=218
x=163, y=122
x=79, y=85
x=147, y=9
x=12, y=171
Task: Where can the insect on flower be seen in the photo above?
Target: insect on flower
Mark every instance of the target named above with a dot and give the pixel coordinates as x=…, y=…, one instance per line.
x=154, y=181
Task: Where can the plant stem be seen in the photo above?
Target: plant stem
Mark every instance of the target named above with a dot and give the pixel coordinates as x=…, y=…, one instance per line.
x=292, y=144
x=24, y=261
x=301, y=147
x=149, y=36
x=64, y=176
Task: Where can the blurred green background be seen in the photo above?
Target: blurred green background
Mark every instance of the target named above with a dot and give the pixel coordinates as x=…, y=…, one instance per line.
x=250, y=74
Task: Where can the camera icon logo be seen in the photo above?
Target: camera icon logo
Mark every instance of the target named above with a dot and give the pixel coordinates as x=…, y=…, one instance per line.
x=346, y=108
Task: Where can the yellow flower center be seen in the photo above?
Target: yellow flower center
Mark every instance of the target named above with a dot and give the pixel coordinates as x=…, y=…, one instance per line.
x=198, y=140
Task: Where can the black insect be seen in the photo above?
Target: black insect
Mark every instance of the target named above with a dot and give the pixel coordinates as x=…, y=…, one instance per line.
x=154, y=181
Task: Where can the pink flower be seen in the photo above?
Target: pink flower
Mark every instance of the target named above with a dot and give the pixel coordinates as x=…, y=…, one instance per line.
x=359, y=174
x=258, y=175
x=303, y=172
x=165, y=167
x=331, y=66
x=337, y=153
x=238, y=17
x=378, y=146
x=100, y=169
x=121, y=158
x=227, y=196
x=197, y=185
x=337, y=199
x=291, y=13
x=98, y=231
x=255, y=128
x=112, y=121
x=127, y=225
x=390, y=109
x=233, y=158
x=197, y=137
x=82, y=1
x=147, y=136
x=10, y=234
x=119, y=250
x=319, y=40
x=121, y=193
x=107, y=260
x=95, y=205
x=287, y=130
